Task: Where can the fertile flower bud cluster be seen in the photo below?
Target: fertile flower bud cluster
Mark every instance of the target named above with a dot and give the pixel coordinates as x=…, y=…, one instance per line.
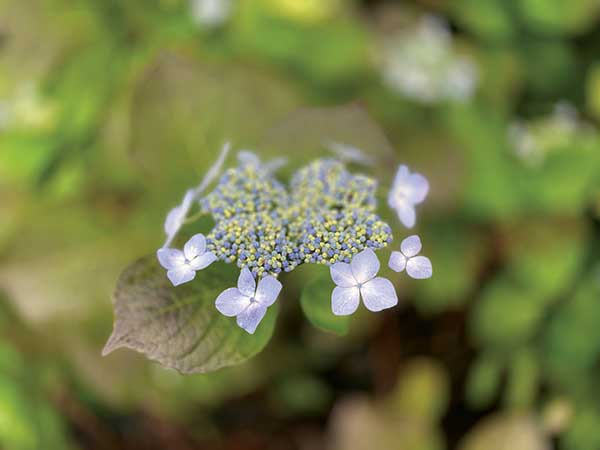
x=327, y=217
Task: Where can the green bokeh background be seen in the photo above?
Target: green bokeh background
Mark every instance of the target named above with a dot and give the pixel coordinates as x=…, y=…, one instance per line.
x=110, y=109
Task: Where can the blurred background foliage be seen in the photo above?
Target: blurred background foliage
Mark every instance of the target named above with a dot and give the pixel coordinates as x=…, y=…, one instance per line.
x=110, y=109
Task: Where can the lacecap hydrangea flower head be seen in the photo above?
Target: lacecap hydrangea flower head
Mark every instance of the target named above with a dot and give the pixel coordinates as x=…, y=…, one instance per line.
x=326, y=215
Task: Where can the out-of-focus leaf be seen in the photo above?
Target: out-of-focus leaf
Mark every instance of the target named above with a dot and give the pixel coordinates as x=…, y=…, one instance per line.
x=422, y=391
x=558, y=16
x=332, y=53
x=501, y=77
x=305, y=132
x=549, y=66
x=491, y=186
x=563, y=183
x=499, y=186
x=523, y=380
x=316, y=304
x=572, y=338
x=490, y=19
x=183, y=111
x=459, y=253
x=560, y=245
x=507, y=314
x=593, y=90
x=483, y=381
x=179, y=326
x=506, y=432
x=583, y=432
x=27, y=420
x=301, y=393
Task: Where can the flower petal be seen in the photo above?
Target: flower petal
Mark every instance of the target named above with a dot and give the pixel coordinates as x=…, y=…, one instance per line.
x=214, y=170
x=181, y=274
x=250, y=317
x=379, y=294
x=397, y=262
x=419, y=267
x=365, y=265
x=275, y=164
x=231, y=302
x=419, y=187
x=406, y=214
x=246, y=283
x=349, y=153
x=268, y=290
x=411, y=246
x=248, y=158
x=401, y=177
x=177, y=215
x=195, y=246
x=188, y=198
x=341, y=274
x=173, y=221
x=170, y=258
x=344, y=301
x=203, y=261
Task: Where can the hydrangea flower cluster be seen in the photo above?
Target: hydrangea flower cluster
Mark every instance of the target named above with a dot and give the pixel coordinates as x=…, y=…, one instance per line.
x=327, y=216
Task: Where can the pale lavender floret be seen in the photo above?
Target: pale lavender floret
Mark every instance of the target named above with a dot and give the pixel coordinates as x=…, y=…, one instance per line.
x=176, y=217
x=248, y=302
x=349, y=153
x=182, y=265
x=418, y=267
x=408, y=190
x=358, y=279
x=248, y=158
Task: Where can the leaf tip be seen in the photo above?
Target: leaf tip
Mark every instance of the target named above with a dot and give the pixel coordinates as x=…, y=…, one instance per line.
x=113, y=343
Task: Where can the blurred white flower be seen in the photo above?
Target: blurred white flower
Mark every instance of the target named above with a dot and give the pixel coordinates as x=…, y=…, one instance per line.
x=248, y=302
x=532, y=140
x=422, y=64
x=418, y=267
x=408, y=190
x=182, y=265
x=358, y=279
x=210, y=13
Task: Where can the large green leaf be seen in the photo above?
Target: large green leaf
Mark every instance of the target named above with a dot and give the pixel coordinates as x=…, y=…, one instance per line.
x=316, y=304
x=507, y=314
x=179, y=326
x=28, y=420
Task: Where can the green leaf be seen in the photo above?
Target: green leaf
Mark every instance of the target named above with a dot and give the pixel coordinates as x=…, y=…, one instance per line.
x=28, y=420
x=179, y=326
x=316, y=304
x=489, y=19
x=483, y=381
x=558, y=16
x=593, y=90
x=506, y=314
x=522, y=430
x=523, y=380
x=572, y=337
